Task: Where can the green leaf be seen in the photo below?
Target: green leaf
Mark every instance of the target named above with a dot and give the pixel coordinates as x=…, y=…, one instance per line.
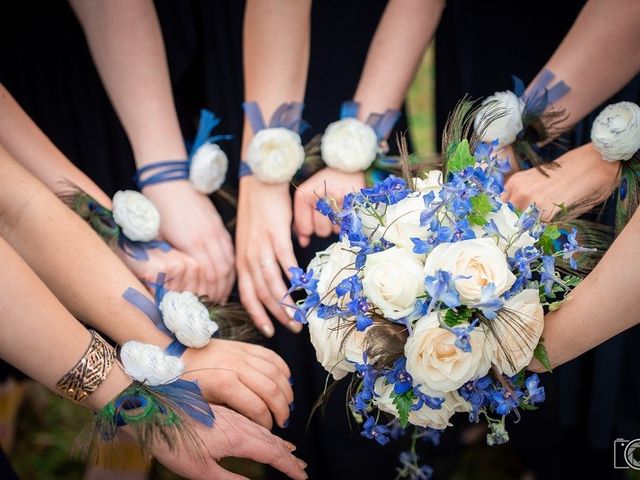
x=453, y=318
x=461, y=157
x=551, y=233
x=527, y=406
x=403, y=404
x=480, y=207
x=540, y=354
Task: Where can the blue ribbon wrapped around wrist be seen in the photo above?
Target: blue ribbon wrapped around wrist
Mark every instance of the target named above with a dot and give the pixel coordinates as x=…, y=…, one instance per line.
x=382, y=123
x=540, y=95
x=288, y=115
x=173, y=170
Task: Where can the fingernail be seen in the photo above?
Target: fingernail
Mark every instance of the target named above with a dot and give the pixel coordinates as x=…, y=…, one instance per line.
x=292, y=407
x=295, y=326
x=267, y=330
x=286, y=423
x=301, y=463
x=290, y=446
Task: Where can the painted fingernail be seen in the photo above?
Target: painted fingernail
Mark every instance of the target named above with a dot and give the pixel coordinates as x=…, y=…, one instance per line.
x=267, y=330
x=295, y=326
x=292, y=407
x=290, y=446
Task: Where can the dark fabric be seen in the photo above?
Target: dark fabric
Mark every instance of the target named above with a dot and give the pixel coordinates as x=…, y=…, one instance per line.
x=6, y=472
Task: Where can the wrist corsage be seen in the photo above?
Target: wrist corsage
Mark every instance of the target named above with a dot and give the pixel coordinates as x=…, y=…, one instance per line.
x=522, y=119
x=132, y=224
x=158, y=407
x=207, y=165
x=275, y=152
x=615, y=134
x=190, y=321
x=350, y=145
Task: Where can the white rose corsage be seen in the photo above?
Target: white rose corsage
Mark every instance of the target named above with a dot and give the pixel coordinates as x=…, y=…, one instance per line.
x=136, y=215
x=351, y=145
x=207, y=165
x=616, y=131
x=521, y=118
x=275, y=152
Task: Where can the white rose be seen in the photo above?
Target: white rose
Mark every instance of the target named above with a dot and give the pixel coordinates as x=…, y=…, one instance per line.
x=431, y=183
x=138, y=218
x=334, y=352
x=188, y=318
x=509, y=124
x=332, y=266
x=437, y=364
x=150, y=364
x=402, y=221
x=349, y=145
x=520, y=338
x=507, y=222
x=478, y=259
x=275, y=155
x=425, y=416
x=208, y=169
x=372, y=223
x=392, y=280
x=616, y=131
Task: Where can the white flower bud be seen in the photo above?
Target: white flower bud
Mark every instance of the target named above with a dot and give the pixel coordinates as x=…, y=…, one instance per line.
x=506, y=127
x=138, y=218
x=188, y=318
x=209, y=167
x=349, y=145
x=616, y=131
x=150, y=364
x=275, y=155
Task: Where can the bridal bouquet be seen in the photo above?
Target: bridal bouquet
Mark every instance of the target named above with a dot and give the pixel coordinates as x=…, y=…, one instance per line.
x=434, y=299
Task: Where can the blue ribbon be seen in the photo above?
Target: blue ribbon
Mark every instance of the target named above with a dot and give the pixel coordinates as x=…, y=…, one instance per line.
x=138, y=250
x=165, y=171
x=540, y=96
x=288, y=115
x=146, y=306
x=382, y=123
x=208, y=121
x=188, y=397
x=175, y=349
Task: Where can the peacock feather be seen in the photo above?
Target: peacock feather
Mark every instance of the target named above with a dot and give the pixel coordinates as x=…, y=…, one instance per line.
x=628, y=192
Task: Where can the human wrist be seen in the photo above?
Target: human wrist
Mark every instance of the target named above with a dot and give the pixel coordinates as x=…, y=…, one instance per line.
x=115, y=382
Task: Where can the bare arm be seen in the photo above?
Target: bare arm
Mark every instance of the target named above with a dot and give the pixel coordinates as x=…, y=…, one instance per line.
x=606, y=303
x=404, y=32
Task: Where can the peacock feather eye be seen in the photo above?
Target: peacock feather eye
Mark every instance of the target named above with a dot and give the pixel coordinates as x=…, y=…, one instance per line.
x=622, y=193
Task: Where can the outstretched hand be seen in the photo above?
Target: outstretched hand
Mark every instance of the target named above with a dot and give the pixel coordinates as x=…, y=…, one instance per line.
x=190, y=222
x=326, y=182
x=232, y=436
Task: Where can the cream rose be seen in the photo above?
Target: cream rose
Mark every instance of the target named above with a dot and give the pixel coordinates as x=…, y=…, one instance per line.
x=402, y=221
x=134, y=213
x=480, y=260
x=507, y=126
x=520, y=339
x=188, y=318
x=149, y=363
x=616, y=131
x=349, y=145
x=275, y=155
x=392, y=280
x=437, y=364
x=332, y=266
x=335, y=352
x=507, y=222
x=208, y=169
x=431, y=183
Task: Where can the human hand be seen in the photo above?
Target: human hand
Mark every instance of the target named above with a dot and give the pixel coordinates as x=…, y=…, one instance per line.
x=252, y=380
x=265, y=250
x=190, y=222
x=581, y=175
x=183, y=272
x=326, y=182
x=232, y=436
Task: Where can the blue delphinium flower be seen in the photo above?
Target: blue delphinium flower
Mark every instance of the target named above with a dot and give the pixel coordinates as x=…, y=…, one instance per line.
x=548, y=273
x=505, y=400
x=410, y=468
x=535, y=392
x=463, y=336
x=302, y=280
x=430, y=435
x=379, y=433
x=323, y=206
x=493, y=231
x=312, y=301
x=441, y=288
x=399, y=377
x=434, y=403
x=477, y=393
x=489, y=303
x=571, y=247
x=390, y=191
x=463, y=231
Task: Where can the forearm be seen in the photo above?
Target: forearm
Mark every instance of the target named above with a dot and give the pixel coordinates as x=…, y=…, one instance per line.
x=27, y=144
x=39, y=336
x=276, y=42
x=398, y=46
x=606, y=303
x=127, y=46
x=77, y=266
x=598, y=56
